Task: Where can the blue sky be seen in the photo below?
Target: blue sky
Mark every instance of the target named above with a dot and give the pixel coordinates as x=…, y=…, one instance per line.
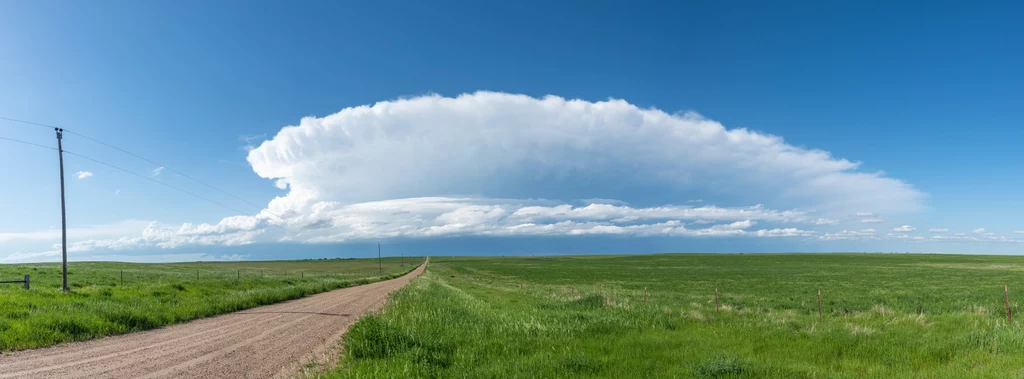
x=509, y=129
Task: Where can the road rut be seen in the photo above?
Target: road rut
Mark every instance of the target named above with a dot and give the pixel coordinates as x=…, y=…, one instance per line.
x=269, y=341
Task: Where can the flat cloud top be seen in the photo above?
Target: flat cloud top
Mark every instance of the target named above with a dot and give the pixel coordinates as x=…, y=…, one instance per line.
x=514, y=146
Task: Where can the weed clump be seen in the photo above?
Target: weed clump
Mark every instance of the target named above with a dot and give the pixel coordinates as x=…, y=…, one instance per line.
x=720, y=367
x=372, y=337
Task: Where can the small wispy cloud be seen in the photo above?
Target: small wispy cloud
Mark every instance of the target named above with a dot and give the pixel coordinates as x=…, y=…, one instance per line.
x=871, y=220
x=251, y=141
x=938, y=230
x=250, y=138
x=1018, y=232
x=865, y=214
x=83, y=174
x=158, y=170
x=117, y=192
x=696, y=201
x=904, y=229
x=978, y=231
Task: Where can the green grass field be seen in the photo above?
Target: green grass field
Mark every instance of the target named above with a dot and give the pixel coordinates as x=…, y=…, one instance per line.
x=101, y=303
x=884, y=315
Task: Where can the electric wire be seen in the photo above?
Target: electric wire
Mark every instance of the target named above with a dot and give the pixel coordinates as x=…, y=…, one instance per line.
x=136, y=174
x=146, y=160
x=28, y=122
x=28, y=143
x=154, y=181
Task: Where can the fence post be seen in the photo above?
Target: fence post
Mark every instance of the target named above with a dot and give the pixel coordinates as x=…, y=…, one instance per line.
x=1006, y=292
x=645, y=294
x=716, y=299
x=239, y=274
x=819, y=304
x=122, y=277
x=26, y=281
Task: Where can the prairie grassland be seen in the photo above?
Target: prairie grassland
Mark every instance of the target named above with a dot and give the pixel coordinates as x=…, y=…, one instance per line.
x=154, y=295
x=884, y=315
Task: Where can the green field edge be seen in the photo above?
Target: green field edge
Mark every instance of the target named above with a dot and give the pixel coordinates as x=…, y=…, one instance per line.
x=885, y=315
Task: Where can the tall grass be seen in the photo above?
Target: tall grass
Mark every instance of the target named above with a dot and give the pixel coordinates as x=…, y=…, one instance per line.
x=155, y=295
x=884, y=316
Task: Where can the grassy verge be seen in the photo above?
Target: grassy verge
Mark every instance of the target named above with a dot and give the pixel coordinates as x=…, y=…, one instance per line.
x=154, y=295
x=585, y=317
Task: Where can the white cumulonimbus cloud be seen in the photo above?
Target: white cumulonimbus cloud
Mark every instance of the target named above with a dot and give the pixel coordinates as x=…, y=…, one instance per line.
x=504, y=145
x=394, y=169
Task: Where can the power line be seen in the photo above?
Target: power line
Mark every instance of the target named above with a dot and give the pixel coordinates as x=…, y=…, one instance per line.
x=155, y=181
x=135, y=174
x=28, y=122
x=171, y=170
x=147, y=160
x=28, y=143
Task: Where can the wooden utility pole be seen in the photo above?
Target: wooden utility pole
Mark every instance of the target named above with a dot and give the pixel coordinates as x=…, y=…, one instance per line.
x=63, y=211
x=380, y=268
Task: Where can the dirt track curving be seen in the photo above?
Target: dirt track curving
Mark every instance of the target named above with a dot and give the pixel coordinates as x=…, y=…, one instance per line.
x=269, y=341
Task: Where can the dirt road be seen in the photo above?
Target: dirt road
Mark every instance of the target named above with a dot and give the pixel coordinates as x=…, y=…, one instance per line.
x=270, y=341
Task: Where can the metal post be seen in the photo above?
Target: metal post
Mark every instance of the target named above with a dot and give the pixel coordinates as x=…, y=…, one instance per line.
x=379, y=267
x=122, y=277
x=63, y=211
x=26, y=281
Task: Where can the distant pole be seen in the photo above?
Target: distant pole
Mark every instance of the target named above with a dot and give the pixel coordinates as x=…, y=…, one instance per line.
x=379, y=267
x=819, y=304
x=716, y=299
x=239, y=274
x=197, y=274
x=122, y=277
x=63, y=210
x=1006, y=292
